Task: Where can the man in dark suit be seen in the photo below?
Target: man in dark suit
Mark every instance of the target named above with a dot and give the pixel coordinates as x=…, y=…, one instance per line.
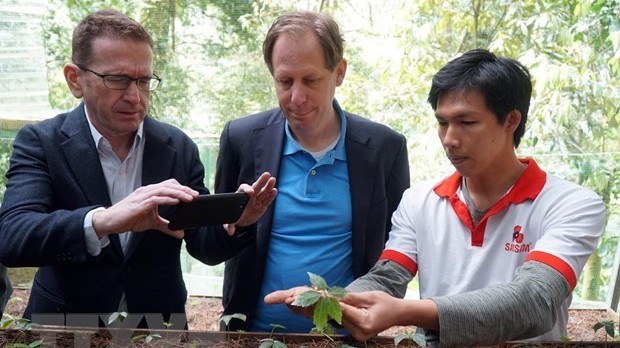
x=340, y=177
x=89, y=192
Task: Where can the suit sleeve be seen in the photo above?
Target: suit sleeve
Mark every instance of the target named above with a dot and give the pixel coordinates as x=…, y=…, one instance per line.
x=217, y=245
x=398, y=181
x=33, y=232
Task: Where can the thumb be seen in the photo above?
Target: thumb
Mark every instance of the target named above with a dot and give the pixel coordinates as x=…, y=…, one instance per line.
x=354, y=299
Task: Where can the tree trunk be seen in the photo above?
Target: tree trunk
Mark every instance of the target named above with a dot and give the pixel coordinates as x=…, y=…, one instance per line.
x=591, y=284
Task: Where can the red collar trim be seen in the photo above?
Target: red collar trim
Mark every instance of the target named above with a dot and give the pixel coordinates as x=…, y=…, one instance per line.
x=528, y=186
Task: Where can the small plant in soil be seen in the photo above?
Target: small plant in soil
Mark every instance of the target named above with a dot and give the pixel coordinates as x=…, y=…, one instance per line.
x=227, y=318
x=610, y=328
x=272, y=342
x=326, y=304
x=117, y=317
x=410, y=337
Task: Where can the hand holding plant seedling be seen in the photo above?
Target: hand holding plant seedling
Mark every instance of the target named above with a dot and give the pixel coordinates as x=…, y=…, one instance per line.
x=325, y=301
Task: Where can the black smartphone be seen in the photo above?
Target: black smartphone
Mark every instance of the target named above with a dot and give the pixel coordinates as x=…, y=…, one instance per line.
x=212, y=209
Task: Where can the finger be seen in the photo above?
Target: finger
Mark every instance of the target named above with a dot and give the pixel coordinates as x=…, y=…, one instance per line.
x=354, y=320
x=268, y=186
x=279, y=296
x=263, y=179
x=270, y=197
x=163, y=227
x=178, y=234
x=163, y=196
x=350, y=312
x=354, y=299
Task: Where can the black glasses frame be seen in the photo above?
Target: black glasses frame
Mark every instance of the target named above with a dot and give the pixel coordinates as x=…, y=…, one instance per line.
x=121, y=82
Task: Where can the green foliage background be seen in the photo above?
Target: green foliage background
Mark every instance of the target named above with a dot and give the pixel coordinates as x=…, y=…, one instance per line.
x=208, y=53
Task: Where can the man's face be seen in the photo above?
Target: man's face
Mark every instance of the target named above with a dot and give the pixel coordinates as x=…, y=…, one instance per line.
x=116, y=113
x=472, y=138
x=304, y=86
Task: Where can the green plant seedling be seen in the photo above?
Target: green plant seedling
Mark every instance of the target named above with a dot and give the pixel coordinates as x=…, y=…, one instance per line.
x=227, y=318
x=16, y=323
x=35, y=344
x=117, y=316
x=272, y=342
x=411, y=337
x=168, y=325
x=609, y=326
x=325, y=301
x=147, y=339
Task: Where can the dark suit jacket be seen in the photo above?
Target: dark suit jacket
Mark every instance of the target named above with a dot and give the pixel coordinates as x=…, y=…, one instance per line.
x=55, y=178
x=378, y=174
x=5, y=288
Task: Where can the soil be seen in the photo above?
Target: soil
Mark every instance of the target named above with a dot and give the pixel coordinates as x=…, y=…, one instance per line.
x=204, y=312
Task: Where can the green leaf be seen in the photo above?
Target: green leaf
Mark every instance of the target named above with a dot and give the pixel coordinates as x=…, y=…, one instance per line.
x=277, y=326
x=326, y=308
x=138, y=338
x=151, y=337
x=307, y=299
x=321, y=315
x=7, y=323
x=420, y=340
x=400, y=338
x=608, y=325
x=227, y=318
x=36, y=343
x=337, y=292
x=271, y=343
x=317, y=281
x=334, y=310
x=116, y=316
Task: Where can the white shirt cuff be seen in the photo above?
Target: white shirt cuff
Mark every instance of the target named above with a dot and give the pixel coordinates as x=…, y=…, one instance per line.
x=93, y=243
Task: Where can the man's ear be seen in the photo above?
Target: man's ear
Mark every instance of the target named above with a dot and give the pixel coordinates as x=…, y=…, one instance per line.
x=73, y=79
x=341, y=71
x=512, y=120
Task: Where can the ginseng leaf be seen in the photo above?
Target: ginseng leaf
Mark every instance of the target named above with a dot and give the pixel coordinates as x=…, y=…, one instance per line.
x=326, y=308
x=337, y=292
x=317, y=281
x=306, y=299
x=320, y=316
x=334, y=310
x=227, y=318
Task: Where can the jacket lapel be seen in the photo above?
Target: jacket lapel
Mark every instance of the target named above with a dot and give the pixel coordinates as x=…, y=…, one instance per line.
x=86, y=168
x=156, y=166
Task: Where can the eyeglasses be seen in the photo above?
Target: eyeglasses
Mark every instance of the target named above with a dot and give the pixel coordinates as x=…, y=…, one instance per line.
x=120, y=82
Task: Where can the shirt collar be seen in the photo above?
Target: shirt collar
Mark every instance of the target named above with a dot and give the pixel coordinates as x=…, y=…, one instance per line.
x=528, y=186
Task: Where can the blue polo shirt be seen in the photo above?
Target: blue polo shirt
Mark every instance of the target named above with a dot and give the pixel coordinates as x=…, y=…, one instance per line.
x=311, y=229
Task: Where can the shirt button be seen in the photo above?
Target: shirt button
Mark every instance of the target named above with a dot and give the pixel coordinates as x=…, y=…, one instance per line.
x=313, y=172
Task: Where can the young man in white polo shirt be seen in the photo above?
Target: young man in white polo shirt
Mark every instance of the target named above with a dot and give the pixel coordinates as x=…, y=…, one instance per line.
x=499, y=245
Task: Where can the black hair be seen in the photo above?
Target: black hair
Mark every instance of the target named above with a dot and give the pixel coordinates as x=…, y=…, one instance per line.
x=504, y=83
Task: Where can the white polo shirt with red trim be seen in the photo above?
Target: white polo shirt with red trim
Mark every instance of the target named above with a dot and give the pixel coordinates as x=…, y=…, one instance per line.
x=542, y=218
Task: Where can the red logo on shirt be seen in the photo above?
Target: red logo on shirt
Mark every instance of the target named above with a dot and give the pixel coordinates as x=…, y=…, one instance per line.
x=517, y=239
x=517, y=236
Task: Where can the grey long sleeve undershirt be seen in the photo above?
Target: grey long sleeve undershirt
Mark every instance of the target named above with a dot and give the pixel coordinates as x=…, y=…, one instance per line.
x=524, y=308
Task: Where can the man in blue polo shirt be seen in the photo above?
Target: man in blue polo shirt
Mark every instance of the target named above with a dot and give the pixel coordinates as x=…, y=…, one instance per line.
x=340, y=177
